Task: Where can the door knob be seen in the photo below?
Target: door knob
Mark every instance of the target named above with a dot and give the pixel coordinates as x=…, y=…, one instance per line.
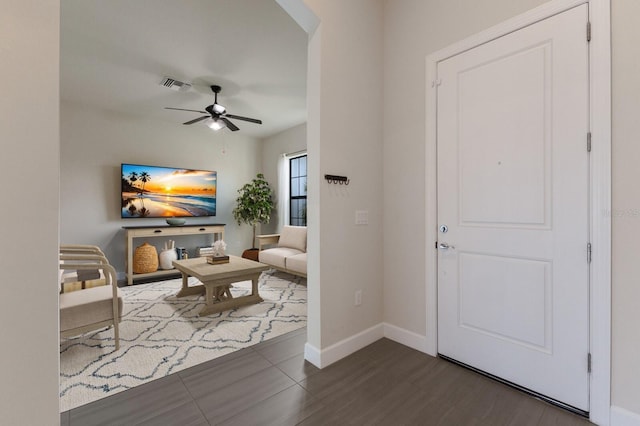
x=445, y=246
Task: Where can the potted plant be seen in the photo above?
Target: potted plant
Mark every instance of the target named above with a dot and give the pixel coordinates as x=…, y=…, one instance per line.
x=253, y=206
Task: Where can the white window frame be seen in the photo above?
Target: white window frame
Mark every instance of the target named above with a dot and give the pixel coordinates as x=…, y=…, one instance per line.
x=284, y=199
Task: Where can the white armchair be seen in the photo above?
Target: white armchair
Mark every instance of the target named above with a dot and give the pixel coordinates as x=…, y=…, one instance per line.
x=93, y=308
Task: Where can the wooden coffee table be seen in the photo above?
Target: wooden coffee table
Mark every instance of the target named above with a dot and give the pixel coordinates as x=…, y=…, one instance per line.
x=216, y=280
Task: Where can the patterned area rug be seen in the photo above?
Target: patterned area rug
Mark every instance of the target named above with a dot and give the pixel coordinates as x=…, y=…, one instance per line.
x=161, y=334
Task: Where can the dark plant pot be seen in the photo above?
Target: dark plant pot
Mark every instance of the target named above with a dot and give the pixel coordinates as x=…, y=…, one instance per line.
x=251, y=254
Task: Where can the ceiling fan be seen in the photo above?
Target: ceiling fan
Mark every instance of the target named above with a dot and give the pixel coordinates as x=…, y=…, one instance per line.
x=217, y=117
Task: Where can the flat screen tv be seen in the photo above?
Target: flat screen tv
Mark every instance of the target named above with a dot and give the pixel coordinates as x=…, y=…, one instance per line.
x=151, y=191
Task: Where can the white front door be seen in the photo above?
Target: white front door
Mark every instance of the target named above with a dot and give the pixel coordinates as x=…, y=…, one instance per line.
x=513, y=194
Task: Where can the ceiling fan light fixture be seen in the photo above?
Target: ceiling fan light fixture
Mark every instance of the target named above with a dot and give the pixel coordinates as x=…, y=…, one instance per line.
x=215, y=124
x=217, y=117
x=219, y=109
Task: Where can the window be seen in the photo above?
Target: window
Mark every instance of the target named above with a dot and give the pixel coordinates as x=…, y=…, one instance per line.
x=298, y=191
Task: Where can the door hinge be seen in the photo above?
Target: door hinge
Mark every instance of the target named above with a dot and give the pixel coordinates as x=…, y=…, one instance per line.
x=589, y=362
x=588, y=252
x=436, y=245
x=436, y=83
x=589, y=142
x=588, y=31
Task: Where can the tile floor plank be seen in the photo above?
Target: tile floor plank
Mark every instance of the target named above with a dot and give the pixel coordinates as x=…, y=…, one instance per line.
x=297, y=367
x=135, y=405
x=288, y=407
x=188, y=414
x=283, y=349
x=225, y=402
x=222, y=374
x=64, y=419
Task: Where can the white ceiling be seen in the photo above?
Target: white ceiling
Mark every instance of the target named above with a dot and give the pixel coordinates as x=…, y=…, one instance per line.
x=115, y=52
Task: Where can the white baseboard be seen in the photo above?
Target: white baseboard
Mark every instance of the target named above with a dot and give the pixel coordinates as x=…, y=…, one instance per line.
x=405, y=337
x=622, y=417
x=312, y=354
x=324, y=357
x=337, y=351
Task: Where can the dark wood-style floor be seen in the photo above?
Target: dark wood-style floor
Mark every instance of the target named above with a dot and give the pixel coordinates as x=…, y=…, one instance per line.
x=271, y=384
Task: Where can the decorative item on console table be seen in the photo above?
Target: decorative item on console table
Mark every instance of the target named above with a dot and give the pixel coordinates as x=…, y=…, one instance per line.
x=253, y=206
x=176, y=221
x=145, y=259
x=168, y=255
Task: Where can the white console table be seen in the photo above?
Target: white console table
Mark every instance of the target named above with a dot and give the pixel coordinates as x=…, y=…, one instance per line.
x=164, y=231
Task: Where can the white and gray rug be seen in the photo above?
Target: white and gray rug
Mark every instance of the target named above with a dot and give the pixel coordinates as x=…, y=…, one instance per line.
x=161, y=334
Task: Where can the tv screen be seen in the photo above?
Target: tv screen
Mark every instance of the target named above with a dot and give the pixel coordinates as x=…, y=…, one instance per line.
x=151, y=191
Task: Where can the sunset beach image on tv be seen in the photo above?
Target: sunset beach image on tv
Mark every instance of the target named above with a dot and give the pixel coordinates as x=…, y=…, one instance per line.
x=151, y=191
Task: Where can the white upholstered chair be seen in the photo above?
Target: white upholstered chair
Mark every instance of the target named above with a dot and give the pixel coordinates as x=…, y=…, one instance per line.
x=92, y=308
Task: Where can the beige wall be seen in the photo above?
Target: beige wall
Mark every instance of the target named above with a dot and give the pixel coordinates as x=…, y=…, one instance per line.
x=345, y=105
x=29, y=52
x=287, y=142
x=625, y=38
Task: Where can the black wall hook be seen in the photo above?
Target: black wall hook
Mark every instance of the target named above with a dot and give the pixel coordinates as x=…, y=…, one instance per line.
x=342, y=180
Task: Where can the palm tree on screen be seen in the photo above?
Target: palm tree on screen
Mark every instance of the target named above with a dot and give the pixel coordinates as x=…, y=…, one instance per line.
x=144, y=178
x=133, y=177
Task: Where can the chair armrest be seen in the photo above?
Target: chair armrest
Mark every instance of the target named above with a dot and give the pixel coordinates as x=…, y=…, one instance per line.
x=80, y=249
x=266, y=240
x=85, y=258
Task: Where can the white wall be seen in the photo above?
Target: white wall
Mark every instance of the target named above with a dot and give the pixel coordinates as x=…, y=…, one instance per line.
x=345, y=138
x=415, y=28
x=95, y=142
x=29, y=48
x=287, y=142
x=625, y=389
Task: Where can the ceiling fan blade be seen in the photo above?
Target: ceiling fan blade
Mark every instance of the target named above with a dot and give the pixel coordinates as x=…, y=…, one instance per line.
x=191, y=110
x=197, y=119
x=229, y=124
x=238, y=117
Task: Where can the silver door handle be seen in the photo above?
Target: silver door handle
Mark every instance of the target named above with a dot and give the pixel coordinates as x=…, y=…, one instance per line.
x=444, y=246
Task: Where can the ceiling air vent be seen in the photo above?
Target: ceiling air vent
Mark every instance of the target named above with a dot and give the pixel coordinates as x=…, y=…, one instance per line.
x=176, y=85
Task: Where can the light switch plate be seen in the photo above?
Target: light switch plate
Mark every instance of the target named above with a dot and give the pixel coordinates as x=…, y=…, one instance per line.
x=362, y=217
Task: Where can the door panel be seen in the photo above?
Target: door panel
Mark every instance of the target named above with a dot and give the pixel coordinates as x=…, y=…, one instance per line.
x=518, y=290
x=514, y=92
x=513, y=190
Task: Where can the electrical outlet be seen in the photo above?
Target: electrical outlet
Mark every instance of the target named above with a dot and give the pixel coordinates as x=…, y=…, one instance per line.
x=358, y=298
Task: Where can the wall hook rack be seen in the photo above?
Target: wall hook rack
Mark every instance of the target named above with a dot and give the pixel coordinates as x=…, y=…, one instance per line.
x=342, y=180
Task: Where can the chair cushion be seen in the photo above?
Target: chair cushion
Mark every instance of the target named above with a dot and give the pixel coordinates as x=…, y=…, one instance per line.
x=297, y=263
x=84, y=307
x=293, y=237
x=276, y=256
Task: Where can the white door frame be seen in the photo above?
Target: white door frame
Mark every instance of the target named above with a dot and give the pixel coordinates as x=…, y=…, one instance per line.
x=600, y=186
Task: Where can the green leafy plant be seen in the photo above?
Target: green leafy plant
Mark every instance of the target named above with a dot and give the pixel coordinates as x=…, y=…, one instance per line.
x=254, y=205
